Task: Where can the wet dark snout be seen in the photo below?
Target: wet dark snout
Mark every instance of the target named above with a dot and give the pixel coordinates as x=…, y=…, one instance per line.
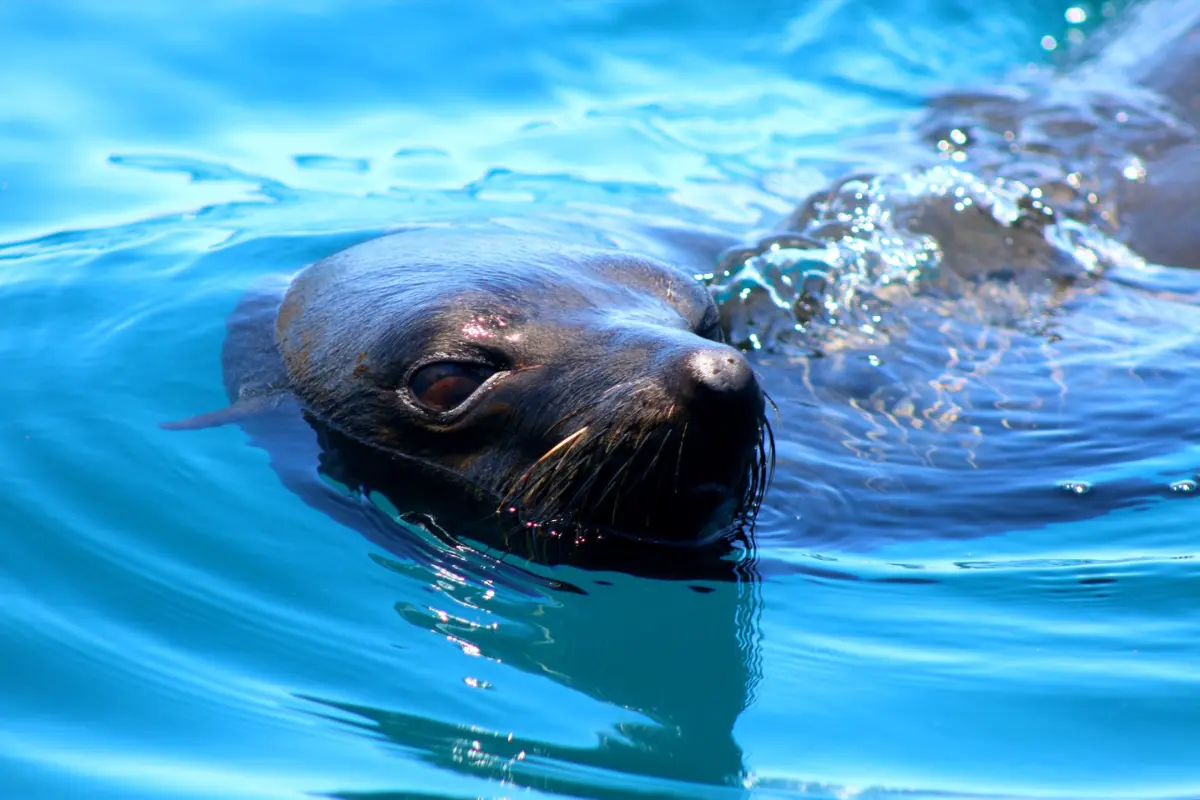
x=716, y=425
x=678, y=455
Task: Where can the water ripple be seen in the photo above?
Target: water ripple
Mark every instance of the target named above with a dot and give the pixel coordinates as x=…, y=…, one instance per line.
x=935, y=614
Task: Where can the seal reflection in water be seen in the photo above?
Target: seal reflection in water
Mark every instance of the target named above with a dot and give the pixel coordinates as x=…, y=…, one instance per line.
x=582, y=395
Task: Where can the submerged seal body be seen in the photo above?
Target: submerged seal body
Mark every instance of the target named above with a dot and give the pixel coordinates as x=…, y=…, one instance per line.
x=584, y=393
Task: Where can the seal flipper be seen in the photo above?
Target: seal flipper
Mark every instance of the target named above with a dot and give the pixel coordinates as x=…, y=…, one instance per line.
x=255, y=379
x=236, y=412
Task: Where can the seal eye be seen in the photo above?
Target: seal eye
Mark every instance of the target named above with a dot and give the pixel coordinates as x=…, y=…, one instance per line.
x=446, y=385
x=710, y=326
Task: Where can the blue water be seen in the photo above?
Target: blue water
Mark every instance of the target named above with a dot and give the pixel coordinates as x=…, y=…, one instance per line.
x=176, y=623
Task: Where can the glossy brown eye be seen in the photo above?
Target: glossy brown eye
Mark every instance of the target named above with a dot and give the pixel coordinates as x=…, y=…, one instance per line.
x=446, y=385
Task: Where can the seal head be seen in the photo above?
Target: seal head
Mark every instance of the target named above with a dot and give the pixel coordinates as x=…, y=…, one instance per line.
x=583, y=388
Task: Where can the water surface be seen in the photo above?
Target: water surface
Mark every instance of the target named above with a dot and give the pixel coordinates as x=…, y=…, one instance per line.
x=176, y=623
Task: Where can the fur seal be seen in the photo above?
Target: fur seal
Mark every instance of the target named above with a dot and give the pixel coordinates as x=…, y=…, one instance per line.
x=585, y=393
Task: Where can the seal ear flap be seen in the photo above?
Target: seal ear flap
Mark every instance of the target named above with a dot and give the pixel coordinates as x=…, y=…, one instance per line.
x=238, y=411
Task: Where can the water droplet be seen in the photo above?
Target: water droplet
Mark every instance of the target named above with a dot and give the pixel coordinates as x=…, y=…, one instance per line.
x=1049, y=43
x=1075, y=487
x=1184, y=487
x=1076, y=15
x=1134, y=170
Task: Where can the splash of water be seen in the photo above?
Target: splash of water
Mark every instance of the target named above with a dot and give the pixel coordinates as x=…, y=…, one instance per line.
x=850, y=255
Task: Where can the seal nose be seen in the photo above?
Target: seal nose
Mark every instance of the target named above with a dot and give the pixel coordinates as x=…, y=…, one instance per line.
x=717, y=380
x=721, y=370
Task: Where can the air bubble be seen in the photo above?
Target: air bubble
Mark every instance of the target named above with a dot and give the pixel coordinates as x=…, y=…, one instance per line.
x=1075, y=487
x=1185, y=487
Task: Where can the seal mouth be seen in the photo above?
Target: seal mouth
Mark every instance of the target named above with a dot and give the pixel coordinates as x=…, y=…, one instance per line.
x=658, y=486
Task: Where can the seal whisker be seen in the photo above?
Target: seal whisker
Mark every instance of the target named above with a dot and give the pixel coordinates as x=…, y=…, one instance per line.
x=654, y=461
x=638, y=446
x=605, y=393
x=763, y=472
x=610, y=437
x=559, y=476
x=567, y=442
x=583, y=489
x=581, y=432
x=574, y=413
x=679, y=458
x=650, y=467
x=617, y=480
x=565, y=417
x=620, y=385
x=774, y=407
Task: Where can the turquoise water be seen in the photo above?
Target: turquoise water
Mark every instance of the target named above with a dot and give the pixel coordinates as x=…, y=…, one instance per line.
x=177, y=623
